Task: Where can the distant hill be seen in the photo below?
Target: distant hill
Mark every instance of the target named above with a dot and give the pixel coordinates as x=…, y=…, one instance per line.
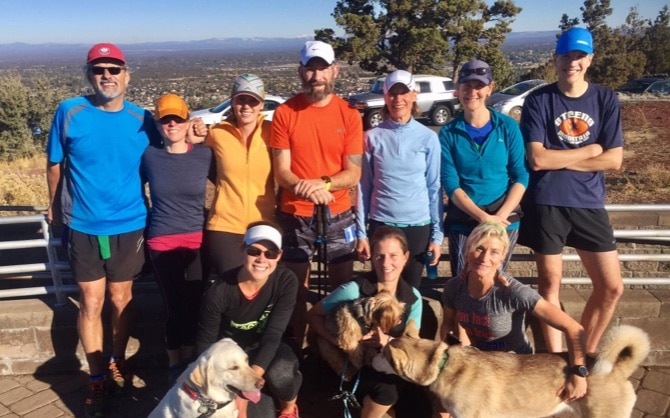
x=514, y=38
x=56, y=52
x=16, y=52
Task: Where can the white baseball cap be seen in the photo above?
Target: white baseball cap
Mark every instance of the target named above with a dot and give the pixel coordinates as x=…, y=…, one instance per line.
x=262, y=233
x=399, y=76
x=317, y=49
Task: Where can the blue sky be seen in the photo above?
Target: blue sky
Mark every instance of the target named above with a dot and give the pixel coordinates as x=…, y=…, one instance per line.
x=134, y=21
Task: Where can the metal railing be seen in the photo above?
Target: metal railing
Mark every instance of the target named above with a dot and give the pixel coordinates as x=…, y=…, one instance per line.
x=53, y=266
x=56, y=269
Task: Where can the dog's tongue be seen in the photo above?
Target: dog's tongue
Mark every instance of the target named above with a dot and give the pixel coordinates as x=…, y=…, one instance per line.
x=254, y=396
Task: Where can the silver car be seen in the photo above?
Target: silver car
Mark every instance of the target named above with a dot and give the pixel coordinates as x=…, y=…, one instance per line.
x=659, y=87
x=436, y=98
x=215, y=114
x=509, y=101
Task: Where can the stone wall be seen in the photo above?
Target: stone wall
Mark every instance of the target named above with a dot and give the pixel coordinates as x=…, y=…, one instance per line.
x=39, y=337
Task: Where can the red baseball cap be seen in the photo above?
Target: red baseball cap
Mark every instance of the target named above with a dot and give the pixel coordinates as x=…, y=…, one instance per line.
x=104, y=50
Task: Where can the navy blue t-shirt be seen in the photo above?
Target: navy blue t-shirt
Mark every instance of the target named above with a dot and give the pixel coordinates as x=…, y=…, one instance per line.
x=177, y=185
x=561, y=122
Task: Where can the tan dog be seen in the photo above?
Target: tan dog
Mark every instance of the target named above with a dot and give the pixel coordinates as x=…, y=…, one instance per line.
x=472, y=383
x=209, y=385
x=350, y=322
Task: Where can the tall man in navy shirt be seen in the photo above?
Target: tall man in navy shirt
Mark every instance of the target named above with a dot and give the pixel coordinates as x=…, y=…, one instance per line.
x=94, y=151
x=572, y=130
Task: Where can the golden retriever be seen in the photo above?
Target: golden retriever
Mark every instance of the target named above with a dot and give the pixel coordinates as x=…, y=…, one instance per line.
x=472, y=383
x=350, y=322
x=209, y=385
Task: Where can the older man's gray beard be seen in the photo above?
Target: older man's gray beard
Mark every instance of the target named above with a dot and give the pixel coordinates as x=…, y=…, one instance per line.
x=107, y=96
x=312, y=94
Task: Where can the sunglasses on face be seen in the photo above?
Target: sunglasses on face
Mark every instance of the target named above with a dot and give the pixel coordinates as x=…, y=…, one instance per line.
x=111, y=70
x=478, y=71
x=269, y=254
x=165, y=120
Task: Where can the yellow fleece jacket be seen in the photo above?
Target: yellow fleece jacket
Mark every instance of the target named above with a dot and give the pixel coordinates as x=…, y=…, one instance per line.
x=245, y=190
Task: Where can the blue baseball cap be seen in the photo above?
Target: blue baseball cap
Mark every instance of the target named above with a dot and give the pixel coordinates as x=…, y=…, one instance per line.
x=575, y=39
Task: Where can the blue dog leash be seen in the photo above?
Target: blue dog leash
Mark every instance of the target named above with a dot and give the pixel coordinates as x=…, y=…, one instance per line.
x=347, y=397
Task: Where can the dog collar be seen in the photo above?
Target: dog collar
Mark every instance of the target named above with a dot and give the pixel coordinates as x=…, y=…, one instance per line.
x=207, y=406
x=443, y=362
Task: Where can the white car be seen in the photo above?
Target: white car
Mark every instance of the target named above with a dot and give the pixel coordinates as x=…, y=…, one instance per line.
x=214, y=115
x=509, y=101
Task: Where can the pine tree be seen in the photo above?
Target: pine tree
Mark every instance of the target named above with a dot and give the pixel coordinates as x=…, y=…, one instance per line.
x=657, y=43
x=421, y=35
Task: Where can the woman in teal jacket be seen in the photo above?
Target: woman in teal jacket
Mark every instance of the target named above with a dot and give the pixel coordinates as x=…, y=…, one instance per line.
x=483, y=166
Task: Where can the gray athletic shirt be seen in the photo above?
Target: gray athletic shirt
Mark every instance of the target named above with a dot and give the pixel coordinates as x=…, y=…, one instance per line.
x=494, y=322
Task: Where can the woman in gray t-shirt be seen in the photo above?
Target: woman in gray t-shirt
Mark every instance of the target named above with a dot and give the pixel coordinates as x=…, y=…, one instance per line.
x=486, y=309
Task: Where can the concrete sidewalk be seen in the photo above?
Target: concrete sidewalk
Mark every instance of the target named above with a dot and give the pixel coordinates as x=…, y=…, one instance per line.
x=62, y=395
x=47, y=391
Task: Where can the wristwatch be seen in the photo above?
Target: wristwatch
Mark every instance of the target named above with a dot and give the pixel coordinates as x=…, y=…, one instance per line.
x=580, y=370
x=328, y=181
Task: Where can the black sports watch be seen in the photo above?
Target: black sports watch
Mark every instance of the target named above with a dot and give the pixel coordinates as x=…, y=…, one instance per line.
x=580, y=370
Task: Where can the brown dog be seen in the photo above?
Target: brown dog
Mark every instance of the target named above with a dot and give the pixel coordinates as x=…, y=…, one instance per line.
x=350, y=322
x=472, y=383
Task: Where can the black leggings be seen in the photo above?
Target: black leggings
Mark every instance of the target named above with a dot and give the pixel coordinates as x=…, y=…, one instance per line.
x=418, y=238
x=282, y=380
x=179, y=276
x=223, y=250
x=408, y=399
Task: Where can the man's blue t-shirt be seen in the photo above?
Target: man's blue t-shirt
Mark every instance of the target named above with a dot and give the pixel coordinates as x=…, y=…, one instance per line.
x=101, y=153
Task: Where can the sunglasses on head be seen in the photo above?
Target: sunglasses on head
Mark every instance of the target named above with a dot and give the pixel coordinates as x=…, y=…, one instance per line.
x=269, y=254
x=111, y=70
x=478, y=71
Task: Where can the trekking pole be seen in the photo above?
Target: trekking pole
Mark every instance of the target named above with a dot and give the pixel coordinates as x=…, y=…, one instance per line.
x=321, y=224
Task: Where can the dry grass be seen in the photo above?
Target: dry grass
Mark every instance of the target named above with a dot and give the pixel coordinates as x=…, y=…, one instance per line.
x=648, y=184
x=644, y=177
x=23, y=182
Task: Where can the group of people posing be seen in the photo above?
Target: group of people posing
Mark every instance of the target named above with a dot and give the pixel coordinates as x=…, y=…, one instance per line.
x=540, y=183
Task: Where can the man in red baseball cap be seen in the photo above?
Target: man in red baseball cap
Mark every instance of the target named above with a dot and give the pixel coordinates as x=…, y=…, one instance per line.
x=94, y=151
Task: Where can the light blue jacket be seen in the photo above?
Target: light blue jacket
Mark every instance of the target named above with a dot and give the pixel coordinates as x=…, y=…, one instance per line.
x=400, y=182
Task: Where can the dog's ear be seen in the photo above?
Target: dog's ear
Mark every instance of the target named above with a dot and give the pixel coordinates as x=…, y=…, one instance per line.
x=199, y=374
x=410, y=330
x=397, y=357
x=388, y=315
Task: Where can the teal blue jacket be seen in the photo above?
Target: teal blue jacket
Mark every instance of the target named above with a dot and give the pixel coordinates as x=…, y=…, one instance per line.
x=487, y=173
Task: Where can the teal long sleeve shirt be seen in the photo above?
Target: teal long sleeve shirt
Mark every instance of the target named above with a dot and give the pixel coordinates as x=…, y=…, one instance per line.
x=487, y=173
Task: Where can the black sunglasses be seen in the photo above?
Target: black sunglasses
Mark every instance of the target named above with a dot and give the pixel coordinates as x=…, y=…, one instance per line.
x=111, y=70
x=269, y=254
x=478, y=71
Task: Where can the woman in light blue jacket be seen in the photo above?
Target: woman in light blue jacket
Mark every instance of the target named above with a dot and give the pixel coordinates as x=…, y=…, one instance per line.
x=400, y=181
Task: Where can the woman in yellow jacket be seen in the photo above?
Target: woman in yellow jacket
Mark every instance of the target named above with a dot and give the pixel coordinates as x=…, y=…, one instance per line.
x=245, y=189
